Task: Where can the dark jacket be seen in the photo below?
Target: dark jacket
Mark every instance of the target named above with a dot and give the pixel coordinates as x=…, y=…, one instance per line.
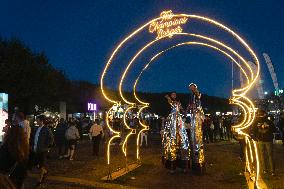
x=18, y=172
x=45, y=140
x=263, y=129
x=281, y=124
x=60, y=134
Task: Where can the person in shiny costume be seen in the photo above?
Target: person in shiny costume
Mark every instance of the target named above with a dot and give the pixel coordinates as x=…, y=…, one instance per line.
x=197, y=117
x=176, y=152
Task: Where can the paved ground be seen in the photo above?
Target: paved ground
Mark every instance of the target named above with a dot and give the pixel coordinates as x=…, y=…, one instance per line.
x=223, y=170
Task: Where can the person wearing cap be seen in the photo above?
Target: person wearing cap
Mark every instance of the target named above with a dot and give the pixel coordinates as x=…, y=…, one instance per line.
x=194, y=108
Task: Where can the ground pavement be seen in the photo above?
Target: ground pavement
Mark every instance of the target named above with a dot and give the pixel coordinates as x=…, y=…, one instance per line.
x=224, y=169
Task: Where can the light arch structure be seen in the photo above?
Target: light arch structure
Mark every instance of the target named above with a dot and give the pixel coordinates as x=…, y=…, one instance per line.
x=169, y=26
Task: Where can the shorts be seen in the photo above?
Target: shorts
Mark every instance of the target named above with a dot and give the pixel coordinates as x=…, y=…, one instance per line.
x=72, y=143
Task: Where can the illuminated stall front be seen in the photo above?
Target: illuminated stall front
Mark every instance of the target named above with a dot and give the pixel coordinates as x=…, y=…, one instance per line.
x=3, y=112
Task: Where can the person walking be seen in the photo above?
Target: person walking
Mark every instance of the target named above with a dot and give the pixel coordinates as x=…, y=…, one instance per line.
x=96, y=132
x=262, y=132
x=60, y=140
x=72, y=136
x=42, y=140
x=144, y=136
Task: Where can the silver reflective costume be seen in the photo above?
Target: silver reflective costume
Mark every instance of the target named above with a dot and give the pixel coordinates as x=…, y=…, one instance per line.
x=196, y=143
x=176, y=151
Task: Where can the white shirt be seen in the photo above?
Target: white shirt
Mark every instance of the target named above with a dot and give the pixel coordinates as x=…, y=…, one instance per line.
x=95, y=130
x=36, y=138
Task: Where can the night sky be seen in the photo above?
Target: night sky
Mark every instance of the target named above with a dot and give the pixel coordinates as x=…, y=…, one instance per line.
x=78, y=37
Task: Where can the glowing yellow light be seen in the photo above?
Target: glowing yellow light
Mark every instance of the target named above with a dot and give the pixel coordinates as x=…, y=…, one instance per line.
x=180, y=44
x=131, y=132
x=234, y=92
x=168, y=25
x=257, y=161
x=245, y=114
x=108, y=147
x=177, y=15
x=116, y=134
x=145, y=128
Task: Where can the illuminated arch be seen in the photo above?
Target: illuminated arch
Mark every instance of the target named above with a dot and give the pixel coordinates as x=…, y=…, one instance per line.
x=164, y=24
x=178, y=45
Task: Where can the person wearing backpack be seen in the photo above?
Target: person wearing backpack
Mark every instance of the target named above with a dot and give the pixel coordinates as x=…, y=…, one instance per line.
x=72, y=136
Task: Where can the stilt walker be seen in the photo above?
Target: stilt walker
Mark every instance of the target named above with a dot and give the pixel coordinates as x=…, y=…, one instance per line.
x=197, y=116
x=176, y=151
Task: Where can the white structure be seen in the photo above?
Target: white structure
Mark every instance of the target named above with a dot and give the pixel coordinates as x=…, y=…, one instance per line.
x=271, y=70
x=258, y=84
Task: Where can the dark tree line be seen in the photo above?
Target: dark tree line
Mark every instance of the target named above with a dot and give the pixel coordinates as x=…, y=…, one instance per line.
x=31, y=80
x=28, y=77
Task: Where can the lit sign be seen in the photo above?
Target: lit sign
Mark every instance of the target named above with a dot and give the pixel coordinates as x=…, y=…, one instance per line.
x=168, y=25
x=92, y=107
x=3, y=112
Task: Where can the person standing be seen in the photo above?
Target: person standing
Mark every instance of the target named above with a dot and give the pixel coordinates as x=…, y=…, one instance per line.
x=196, y=139
x=216, y=128
x=14, y=154
x=262, y=131
x=143, y=136
x=24, y=123
x=221, y=128
x=176, y=151
x=206, y=129
x=42, y=140
x=72, y=136
x=227, y=125
x=59, y=137
x=96, y=132
x=6, y=128
x=281, y=126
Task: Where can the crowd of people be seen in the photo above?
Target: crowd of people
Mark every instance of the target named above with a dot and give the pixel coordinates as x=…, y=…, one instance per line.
x=26, y=147
x=185, y=131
